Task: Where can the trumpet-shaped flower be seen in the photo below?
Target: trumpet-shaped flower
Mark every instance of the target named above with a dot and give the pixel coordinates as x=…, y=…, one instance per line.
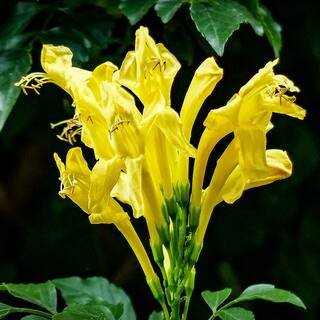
x=247, y=116
x=142, y=157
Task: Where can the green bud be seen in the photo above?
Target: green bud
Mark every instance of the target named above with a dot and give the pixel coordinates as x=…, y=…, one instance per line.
x=189, y=286
x=194, y=215
x=157, y=252
x=156, y=289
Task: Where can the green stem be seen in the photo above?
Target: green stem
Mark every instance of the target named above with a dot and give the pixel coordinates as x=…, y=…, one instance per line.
x=165, y=311
x=186, y=307
x=175, y=311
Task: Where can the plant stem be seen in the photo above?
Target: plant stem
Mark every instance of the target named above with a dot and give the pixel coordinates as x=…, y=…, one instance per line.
x=186, y=307
x=165, y=311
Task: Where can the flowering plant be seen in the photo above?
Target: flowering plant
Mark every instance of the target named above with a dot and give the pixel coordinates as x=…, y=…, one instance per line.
x=143, y=157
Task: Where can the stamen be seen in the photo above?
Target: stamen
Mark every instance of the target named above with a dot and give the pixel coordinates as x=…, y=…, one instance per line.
x=67, y=184
x=33, y=81
x=116, y=126
x=70, y=131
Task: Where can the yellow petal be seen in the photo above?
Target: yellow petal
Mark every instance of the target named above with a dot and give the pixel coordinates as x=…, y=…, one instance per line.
x=225, y=165
x=56, y=61
x=129, y=186
x=149, y=72
x=204, y=81
x=112, y=213
x=169, y=123
x=104, y=176
x=208, y=141
x=251, y=142
x=94, y=125
x=279, y=167
x=75, y=178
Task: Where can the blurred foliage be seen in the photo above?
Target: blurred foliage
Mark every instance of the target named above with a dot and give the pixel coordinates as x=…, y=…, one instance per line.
x=271, y=235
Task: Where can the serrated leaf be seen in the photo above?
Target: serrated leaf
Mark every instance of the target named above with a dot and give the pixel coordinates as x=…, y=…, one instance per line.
x=156, y=315
x=217, y=20
x=270, y=293
x=13, y=65
x=166, y=9
x=94, y=290
x=216, y=298
x=85, y=312
x=42, y=294
x=33, y=317
x=272, y=29
x=236, y=314
x=135, y=10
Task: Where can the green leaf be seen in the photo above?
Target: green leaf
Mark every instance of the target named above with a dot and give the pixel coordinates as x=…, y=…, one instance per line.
x=156, y=315
x=23, y=13
x=135, y=10
x=236, y=314
x=95, y=290
x=85, y=312
x=166, y=9
x=42, y=294
x=13, y=65
x=272, y=30
x=5, y=310
x=217, y=20
x=270, y=293
x=214, y=299
x=33, y=317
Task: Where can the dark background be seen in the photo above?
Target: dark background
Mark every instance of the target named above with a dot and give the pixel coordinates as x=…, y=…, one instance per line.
x=270, y=235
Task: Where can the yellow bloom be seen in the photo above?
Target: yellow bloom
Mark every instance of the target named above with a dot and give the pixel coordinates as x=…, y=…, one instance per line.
x=246, y=162
x=142, y=157
x=56, y=61
x=90, y=190
x=149, y=72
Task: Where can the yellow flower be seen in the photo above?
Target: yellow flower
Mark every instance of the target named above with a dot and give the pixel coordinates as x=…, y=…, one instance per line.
x=56, y=61
x=90, y=190
x=246, y=162
x=148, y=72
x=112, y=125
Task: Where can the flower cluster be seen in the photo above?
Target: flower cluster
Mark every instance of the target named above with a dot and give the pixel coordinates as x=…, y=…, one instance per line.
x=142, y=157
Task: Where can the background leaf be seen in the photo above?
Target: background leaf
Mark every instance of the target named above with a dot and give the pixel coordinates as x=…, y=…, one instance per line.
x=217, y=20
x=42, y=294
x=85, y=312
x=13, y=65
x=166, y=9
x=135, y=10
x=214, y=299
x=21, y=16
x=272, y=29
x=236, y=314
x=33, y=317
x=156, y=315
x=94, y=290
x=5, y=310
x=270, y=293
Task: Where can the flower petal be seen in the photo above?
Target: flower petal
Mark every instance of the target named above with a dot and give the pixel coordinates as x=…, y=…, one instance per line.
x=279, y=167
